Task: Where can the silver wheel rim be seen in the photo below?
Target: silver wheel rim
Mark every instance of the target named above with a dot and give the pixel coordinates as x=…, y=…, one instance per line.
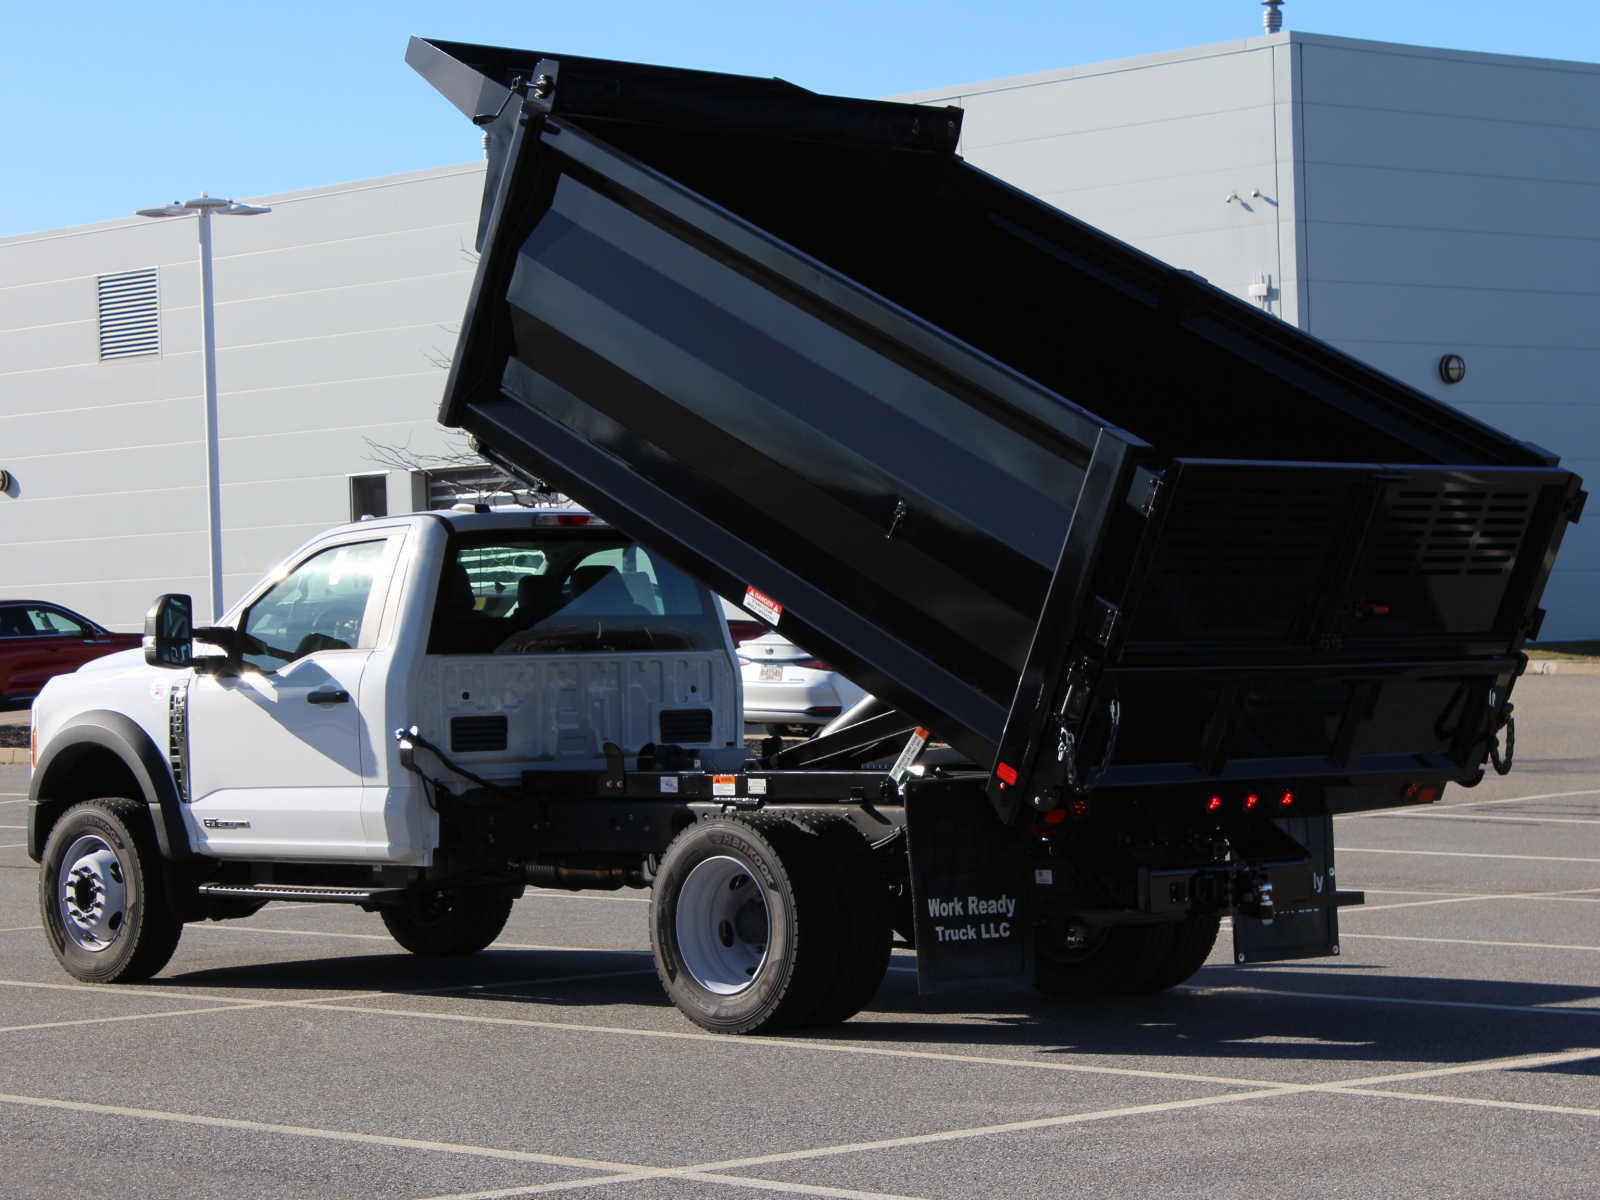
x=723, y=925
x=92, y=893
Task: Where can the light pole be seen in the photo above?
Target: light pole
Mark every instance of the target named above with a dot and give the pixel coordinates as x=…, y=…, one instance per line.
x=204, y=207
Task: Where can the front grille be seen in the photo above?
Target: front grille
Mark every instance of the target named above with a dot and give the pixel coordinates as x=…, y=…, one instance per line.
x=680, y=726
x=468, y=734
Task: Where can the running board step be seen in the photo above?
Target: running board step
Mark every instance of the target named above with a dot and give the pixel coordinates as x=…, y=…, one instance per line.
x=315, y=893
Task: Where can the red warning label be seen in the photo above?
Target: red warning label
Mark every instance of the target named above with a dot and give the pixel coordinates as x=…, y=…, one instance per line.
x=763, y=605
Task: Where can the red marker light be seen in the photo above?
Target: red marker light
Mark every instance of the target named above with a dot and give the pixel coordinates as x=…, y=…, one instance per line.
x=1080, y=808
x=1252, y=800
x=1055, y=816
x=1006, y=774
x=1286, y=800
x=1213, y=804
x=573, y=519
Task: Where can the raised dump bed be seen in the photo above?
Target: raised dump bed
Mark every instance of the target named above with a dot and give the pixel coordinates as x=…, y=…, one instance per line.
x=1080, y=513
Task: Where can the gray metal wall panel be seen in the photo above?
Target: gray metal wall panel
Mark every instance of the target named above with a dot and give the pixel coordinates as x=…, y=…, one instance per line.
x=335, y=321
x=1450, y=205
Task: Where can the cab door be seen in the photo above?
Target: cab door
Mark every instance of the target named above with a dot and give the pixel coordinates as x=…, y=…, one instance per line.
x=278, y=757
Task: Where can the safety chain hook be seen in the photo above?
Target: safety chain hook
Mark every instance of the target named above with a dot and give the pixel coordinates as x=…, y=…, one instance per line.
x=1501, y=718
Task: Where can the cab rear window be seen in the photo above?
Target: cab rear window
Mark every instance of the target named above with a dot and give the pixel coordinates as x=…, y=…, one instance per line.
x=553, y=590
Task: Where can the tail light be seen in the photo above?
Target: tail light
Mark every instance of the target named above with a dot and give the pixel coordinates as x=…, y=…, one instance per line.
x=1255, y=802
x=811, y=664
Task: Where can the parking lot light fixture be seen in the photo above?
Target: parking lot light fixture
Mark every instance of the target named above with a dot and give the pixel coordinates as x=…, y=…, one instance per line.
x=204, y=207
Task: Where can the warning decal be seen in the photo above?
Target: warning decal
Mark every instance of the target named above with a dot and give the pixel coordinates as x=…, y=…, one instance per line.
x=763, y=605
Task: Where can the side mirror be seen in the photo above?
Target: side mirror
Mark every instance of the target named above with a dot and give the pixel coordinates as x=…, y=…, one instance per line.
x=169, y=632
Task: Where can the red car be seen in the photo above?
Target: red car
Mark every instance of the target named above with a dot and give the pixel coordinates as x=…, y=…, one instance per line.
x=38, y=640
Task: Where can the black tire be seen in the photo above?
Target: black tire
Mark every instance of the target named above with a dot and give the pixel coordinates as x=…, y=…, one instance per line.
x=449, y=922
x=1109, y=962
x=1192, y=940
x=862, y=907
x=102, y=893
x=743, y=925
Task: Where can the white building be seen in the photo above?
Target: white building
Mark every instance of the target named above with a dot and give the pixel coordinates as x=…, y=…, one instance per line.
x=1402, y=203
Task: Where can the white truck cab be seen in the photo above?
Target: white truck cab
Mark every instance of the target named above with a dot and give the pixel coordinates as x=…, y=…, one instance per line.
x=513, y=640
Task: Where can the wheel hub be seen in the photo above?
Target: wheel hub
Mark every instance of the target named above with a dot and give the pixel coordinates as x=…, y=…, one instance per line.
x=723, y=925
x=92, y=894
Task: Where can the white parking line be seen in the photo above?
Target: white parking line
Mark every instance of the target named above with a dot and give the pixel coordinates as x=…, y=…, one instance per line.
x=548, y=894
x=1514, y=1105
x=722, y=1171
x=1444, y=816
x=1466, y=854
x=1569, y=894
x=1395, y=937
x=1403, y=812
x=13, y=846
x=852, y=1048
x=227, y=927
x=1402, y=1001
x=335, y=1135
x=765, y=1185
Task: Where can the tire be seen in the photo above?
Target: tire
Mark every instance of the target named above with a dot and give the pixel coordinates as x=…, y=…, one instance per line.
x=102, y=894
x=449, y=922
x=1192, y=940
x=743, y=925
x=1109, y=962
x=861, y=899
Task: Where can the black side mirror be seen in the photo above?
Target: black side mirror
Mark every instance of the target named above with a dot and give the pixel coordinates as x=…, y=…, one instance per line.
x=169, y=632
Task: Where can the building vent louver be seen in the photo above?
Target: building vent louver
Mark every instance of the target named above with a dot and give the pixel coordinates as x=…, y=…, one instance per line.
x=129, y=306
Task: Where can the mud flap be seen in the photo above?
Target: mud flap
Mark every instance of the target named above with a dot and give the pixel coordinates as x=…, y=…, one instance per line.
x=1305, y=918
x=969, y=888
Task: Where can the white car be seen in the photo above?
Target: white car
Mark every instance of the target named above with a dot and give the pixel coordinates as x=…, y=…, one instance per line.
x=787, y=689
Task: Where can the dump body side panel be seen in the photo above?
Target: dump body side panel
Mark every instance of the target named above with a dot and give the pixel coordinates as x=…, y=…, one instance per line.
x=985, y=459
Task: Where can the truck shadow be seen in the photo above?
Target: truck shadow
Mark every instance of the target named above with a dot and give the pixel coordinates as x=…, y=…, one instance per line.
x=1224, y=1014
x=1262, y=1013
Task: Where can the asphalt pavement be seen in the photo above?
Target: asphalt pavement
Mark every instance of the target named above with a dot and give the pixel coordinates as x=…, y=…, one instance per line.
x=1453, y=1049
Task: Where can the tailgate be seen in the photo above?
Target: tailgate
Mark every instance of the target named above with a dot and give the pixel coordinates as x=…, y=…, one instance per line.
x=1297, y=622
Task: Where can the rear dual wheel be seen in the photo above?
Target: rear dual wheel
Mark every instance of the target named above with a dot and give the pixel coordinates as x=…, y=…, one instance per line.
x=760, y=924
x=1077, y=963
x=449, y=922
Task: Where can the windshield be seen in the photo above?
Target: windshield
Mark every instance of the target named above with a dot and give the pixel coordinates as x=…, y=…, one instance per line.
x=551, y=590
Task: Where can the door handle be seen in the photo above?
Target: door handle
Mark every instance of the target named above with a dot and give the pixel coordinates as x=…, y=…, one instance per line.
x=328, y=696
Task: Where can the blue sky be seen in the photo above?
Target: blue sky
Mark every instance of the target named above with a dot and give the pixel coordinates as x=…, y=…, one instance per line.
x=116, y=106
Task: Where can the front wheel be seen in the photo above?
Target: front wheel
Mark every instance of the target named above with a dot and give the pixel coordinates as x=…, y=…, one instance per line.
x=102, y=895
x=744, y=935
x=449, y=922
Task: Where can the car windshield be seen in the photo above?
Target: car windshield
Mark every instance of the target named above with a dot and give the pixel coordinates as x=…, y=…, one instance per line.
x=561, y=590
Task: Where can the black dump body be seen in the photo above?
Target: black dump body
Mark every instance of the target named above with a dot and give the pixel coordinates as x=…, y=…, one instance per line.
x=1084, y=516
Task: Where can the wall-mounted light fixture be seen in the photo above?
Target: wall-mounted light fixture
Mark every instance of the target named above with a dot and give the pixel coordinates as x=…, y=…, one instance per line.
x=1452, y=368
x=5, y=481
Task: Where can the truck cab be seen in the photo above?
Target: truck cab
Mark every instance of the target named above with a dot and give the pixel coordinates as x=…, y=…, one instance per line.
x=497, y=643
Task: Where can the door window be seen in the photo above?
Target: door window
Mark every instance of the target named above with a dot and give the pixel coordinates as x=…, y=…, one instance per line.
x=48, y=621
x=321, y=605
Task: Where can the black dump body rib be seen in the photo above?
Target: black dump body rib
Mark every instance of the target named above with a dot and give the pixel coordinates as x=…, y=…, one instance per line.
x=1015, y=477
